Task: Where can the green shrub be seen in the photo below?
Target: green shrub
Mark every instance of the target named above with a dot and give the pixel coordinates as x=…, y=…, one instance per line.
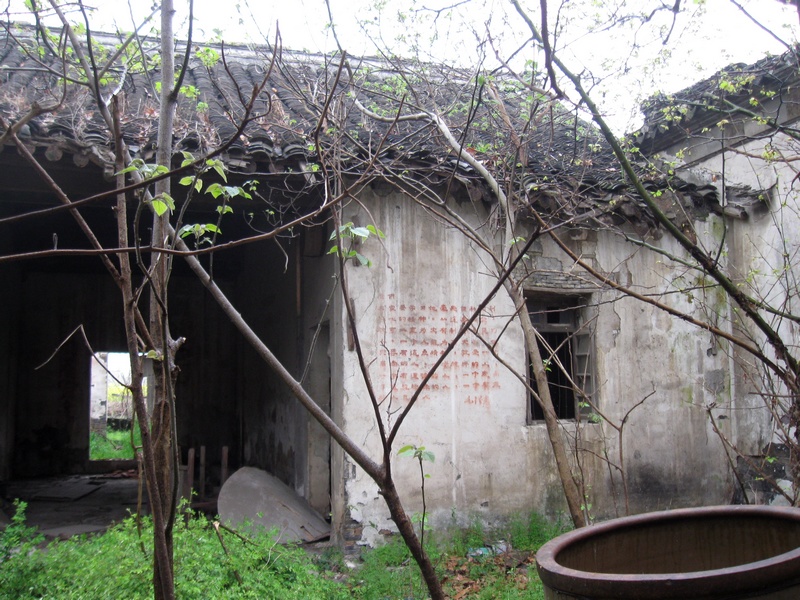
x=118, y=564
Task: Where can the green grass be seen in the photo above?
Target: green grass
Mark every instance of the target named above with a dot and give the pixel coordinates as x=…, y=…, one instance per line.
x=118, y=564
x=115, y=445
x=389, y=572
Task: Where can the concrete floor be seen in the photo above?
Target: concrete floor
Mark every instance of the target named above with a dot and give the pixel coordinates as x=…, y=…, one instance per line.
x=66, y=506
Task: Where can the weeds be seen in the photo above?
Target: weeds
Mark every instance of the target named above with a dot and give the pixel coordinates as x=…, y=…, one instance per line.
x=113, y=566
x=17, y=537
x=213, y=563
x=115, y=445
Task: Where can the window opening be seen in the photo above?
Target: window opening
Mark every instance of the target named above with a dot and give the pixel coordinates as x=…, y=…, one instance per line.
x=111, y=407
x=558, y=322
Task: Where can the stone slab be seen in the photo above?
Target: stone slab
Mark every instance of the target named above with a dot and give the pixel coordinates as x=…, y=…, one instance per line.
x=68, y=490
x=67, y=531
x=254, y=496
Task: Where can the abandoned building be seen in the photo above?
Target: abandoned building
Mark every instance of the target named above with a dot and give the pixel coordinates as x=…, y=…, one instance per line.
x=657, y=396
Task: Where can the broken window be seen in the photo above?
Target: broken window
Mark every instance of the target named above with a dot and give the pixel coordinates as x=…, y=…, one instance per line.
x=567, y=355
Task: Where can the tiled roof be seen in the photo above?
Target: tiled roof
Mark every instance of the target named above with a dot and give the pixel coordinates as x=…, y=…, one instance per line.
x=669, y=119
x=567, y=171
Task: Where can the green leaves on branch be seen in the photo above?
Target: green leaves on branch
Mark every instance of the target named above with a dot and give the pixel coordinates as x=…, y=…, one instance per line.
x=208, y=56
x=163, y=203
x=193, y=181
x=146, y=170
x=417, y=452
x=356, y=235
x=227, y=191
x=199, y=231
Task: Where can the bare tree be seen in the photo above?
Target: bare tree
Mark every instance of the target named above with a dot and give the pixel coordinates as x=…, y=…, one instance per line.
x=762, y=316
x=141, y=189
x=760, y=331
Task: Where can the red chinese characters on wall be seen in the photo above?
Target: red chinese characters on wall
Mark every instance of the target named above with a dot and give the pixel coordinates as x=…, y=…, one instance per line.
x=416, y=336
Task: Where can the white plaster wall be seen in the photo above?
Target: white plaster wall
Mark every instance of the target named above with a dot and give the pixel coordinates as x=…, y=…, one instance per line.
x=766, y=245
x=489, y=462
x=672, y=456
x=472, y=415
x=764, y=252
x=98, y=394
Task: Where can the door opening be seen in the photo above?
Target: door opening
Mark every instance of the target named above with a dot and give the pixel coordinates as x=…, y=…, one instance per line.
x=111, y=416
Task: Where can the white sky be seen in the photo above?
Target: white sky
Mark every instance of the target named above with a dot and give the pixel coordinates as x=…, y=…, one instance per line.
x=704, y=38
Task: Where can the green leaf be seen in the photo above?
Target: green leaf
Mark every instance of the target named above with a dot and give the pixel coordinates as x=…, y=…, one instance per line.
x=240, y=191
x=188, y=180
x=162, y=203
x=365, y=262
x=187, y=158
x=215, y=190
x=334, y=250
x=361, y=232
x=224, y=210
x=219, y=167
x=159, y=207
x=136, y=164
x=375, y=231
x=406, y=450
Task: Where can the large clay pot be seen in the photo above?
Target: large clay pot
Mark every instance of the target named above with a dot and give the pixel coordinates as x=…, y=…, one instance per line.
x=714, y=553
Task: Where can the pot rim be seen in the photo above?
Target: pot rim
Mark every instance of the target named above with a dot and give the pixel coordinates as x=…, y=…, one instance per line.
x=779, y=570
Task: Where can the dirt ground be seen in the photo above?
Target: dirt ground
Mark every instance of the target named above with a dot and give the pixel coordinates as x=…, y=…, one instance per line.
x=66, y=506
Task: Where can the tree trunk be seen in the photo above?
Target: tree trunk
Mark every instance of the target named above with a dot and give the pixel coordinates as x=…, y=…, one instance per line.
x=571, y=491
x=163, y=419
x=411, y=539
x=163, y=582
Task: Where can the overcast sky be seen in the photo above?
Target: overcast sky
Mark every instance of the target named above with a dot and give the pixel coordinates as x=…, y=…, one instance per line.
x=701, y=42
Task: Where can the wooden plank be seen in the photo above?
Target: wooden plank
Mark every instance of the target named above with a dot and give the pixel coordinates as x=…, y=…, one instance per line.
x=190, y=473
x=202, y=482
x=224, y=470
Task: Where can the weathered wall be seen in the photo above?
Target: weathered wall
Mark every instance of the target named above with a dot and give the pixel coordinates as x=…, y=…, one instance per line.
x=9, y=301
x=318, y=288
x=207, y=390
x=762, y=248
x=673, y=458
x=490, y=461
x=273, y=423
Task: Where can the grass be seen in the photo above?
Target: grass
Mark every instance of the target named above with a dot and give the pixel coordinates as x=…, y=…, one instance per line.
x=117, y=564
x=115, y=445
